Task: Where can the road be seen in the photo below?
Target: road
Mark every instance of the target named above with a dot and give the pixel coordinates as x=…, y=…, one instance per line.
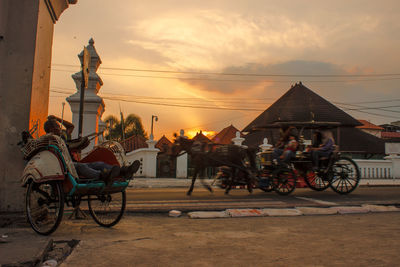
x=145, y=238
x=165, y=199
x=335, y=240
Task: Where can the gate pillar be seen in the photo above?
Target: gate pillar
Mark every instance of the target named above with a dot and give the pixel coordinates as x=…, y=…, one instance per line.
x=26, y=37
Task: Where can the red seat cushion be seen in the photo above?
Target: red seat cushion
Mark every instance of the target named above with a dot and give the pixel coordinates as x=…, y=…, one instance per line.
x=101, y=154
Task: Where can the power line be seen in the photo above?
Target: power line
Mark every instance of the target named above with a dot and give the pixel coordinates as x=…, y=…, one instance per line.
x=241, y=74
x=69, y=90
x=221, y=108
x=375, y=101
x=237, y=80
x=358, y=107
x=184, y=106
x=376, y=114
x=173, y=105
x=240, y=99
x=234, y=108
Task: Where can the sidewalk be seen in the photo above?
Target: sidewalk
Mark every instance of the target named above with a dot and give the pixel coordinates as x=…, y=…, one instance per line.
x=185, y=182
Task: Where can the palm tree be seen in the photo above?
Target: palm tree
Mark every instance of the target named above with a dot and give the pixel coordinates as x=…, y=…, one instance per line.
x=132, y=125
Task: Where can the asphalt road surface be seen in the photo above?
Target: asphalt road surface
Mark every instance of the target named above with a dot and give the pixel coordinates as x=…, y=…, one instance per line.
x=165, y=199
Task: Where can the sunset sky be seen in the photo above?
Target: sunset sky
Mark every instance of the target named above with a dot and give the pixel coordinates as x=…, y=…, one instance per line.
x=188, y=48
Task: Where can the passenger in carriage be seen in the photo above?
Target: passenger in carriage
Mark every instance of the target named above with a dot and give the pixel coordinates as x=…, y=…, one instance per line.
x=324, y=150
x=93, y=170
x=287, y=145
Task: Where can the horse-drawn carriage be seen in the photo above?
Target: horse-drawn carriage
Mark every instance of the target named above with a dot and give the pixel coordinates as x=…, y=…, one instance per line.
x=339, y=172
x=52, y=180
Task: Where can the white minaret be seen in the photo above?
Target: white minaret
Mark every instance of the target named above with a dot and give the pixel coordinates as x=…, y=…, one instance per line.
x=93, y=105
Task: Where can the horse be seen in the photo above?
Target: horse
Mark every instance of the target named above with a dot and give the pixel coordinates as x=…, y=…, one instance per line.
x=232, y=156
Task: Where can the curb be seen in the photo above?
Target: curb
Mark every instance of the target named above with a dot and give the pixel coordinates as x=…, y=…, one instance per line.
x=185, y=182
x=298, y=211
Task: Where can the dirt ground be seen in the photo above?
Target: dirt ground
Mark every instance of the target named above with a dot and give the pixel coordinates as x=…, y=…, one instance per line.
x=335, y=240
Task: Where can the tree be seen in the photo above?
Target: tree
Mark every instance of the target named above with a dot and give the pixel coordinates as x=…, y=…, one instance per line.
x=132, y=126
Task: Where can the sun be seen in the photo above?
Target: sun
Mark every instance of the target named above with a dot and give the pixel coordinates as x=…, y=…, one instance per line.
x=193, y=132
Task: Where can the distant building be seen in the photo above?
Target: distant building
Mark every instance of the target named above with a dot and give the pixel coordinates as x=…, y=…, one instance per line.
x=370, y=128
x=166, y=164
x=134, y=142
x=226, y=135
x=164, y=144
x=200, y=137
x=391, y=132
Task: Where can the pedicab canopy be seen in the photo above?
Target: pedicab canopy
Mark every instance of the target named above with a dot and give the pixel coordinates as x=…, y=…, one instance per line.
x=307, y=111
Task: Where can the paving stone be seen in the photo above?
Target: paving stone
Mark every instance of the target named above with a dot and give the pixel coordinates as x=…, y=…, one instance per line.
x=351, y=209
x=208, y=214
x=245, y=212
x=317, y=211
x=175, y=213
x=281, y=212
x=380, y=208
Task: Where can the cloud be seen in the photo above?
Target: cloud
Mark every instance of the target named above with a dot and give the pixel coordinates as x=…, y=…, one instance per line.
x=212, y=39
x=229, y=84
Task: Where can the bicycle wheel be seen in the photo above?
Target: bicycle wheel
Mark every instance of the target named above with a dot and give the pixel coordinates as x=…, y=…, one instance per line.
x=316, y=182
x=107, y=209
x=345, y=176
x=284, y=181
x=44, y=206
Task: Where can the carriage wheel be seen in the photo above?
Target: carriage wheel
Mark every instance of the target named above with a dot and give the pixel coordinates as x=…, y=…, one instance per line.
x=345, y=176
x=284, y=181
x=316, y=182
x=107, y=209
x=44, y=206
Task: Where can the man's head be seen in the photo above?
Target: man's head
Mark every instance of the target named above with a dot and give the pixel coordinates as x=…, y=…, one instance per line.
x=52, y=126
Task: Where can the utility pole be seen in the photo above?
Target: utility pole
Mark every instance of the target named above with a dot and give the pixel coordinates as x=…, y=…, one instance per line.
x=152, y=118
x=84, y=84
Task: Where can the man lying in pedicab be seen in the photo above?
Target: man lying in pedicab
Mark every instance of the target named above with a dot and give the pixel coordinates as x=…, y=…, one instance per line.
x=92, y=170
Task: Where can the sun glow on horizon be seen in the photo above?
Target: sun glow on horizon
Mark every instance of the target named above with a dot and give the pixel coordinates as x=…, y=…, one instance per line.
x=193, y=132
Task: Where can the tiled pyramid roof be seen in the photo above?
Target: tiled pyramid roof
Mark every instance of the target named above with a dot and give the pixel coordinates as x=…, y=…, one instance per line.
x=302, y=105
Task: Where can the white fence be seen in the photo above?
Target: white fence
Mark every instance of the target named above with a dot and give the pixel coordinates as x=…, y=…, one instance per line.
x=375, y=169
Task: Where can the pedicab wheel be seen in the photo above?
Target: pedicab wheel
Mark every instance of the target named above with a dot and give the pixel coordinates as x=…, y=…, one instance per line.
x=44, y=206
x=284, y=181
x=315, y=181
x=345, y=176
x=107, y=209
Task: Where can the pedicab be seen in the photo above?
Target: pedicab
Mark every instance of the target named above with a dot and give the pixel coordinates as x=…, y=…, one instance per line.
x=51, y=181
x=336, y=171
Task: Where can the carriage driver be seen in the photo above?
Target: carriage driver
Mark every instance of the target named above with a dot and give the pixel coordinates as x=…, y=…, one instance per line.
x=93, y=170
x=326, y=147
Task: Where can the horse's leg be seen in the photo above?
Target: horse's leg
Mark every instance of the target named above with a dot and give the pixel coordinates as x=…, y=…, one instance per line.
x=203, y=183
x=249, y=181
x=193, y=181
x=230, y=181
